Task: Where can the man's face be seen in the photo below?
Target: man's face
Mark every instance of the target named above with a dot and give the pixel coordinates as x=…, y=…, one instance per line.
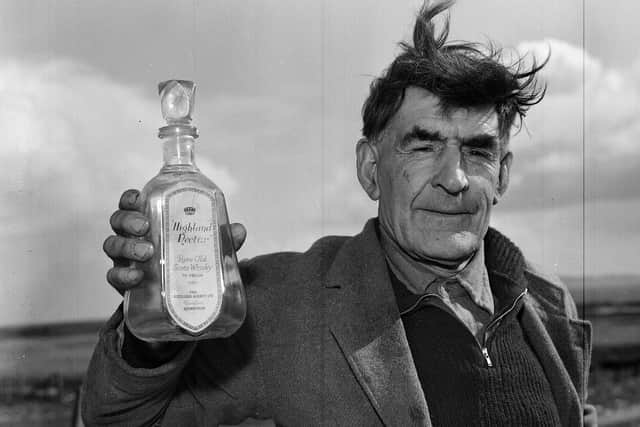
x=436, y=177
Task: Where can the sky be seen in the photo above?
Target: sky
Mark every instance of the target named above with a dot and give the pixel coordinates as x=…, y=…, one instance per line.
x=280, y=88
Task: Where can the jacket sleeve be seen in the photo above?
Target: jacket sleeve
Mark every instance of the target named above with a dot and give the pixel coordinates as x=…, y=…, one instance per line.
x=207, y=383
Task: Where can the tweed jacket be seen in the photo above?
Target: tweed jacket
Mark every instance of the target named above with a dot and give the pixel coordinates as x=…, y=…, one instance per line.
x=323, y=344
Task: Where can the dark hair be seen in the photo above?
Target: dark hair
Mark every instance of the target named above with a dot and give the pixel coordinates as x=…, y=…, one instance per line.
x=460, y=74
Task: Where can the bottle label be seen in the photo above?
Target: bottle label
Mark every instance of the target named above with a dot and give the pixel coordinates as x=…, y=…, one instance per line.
x=192, y=274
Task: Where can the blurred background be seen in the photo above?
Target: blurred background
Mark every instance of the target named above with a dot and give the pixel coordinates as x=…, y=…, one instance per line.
x=280, y=88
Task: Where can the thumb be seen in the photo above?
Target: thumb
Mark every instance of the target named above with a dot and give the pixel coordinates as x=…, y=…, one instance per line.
x=238, y=235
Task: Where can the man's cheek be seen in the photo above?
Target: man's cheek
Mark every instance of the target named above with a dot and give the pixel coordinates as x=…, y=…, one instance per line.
x=482, y=186
x=484, y=177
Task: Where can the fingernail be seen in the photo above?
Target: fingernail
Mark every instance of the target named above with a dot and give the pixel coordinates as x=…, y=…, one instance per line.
x=141, y=250
x=139, y=224
x=132, y=275
x=132, y=196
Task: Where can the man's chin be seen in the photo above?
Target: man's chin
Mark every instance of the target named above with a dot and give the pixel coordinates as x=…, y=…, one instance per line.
x=449, y=249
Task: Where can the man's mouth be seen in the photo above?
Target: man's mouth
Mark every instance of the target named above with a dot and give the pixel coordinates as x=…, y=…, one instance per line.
x=446, y=212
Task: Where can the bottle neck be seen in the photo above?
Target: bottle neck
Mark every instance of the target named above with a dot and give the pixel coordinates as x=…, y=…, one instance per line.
x=179, y=151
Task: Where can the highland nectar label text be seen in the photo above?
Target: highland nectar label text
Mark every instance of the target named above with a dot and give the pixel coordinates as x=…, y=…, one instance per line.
x=192, y=276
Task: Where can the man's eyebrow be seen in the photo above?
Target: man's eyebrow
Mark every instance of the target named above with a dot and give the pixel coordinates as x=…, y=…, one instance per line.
x=481, y=141
x=423, y=135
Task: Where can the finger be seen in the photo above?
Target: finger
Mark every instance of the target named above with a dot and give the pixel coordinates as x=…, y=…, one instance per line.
x=117, y=247
x=239, y=234
x=124, y=278
x=129, y=223
x=131, y=201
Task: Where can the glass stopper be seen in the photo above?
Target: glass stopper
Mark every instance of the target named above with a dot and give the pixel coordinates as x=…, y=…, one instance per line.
x=177, y=100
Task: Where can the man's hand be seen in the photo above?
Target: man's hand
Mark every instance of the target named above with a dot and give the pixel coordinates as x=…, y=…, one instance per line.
x=128, y=247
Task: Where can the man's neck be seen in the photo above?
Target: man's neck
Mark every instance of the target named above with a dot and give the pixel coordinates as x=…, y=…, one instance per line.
x=423, y=277
x=416, y=274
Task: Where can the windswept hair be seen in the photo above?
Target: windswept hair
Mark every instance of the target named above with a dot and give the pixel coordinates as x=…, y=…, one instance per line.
x=460, y=74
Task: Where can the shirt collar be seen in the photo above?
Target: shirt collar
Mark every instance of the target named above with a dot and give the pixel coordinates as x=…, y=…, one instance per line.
x=420, y=278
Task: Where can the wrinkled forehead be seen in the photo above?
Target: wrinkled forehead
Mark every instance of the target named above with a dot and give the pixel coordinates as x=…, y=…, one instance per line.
x=423, y=109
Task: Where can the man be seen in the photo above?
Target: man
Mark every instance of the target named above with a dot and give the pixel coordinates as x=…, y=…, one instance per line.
x=427, y=317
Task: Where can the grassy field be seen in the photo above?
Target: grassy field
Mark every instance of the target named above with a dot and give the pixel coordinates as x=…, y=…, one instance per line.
x=41, y=356
x=41, y=367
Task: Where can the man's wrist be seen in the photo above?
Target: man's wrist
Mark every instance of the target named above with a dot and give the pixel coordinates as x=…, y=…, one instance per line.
x=142, y=354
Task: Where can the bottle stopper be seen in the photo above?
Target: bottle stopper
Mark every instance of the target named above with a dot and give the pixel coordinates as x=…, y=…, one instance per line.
x=177, y=100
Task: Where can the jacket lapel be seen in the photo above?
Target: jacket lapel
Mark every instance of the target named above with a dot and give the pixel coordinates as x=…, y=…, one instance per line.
x=365, y=321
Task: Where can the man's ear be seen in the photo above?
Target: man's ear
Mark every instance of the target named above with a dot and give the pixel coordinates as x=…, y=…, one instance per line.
x=503, y=177
x=367, y=167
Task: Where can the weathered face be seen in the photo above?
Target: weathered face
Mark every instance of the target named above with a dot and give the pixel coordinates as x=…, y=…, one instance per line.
x=435, y=177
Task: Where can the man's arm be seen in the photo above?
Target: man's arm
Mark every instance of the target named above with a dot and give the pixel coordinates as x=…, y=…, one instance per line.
x=132, y=382
x=214, y=381
x=116, y=393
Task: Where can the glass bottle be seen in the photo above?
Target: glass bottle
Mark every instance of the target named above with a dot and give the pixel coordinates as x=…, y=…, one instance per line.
x=191, y=287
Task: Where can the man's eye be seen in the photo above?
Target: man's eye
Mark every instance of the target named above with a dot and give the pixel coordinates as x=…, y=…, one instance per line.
x=418, y=146
x=486, y=154
x=424, y=147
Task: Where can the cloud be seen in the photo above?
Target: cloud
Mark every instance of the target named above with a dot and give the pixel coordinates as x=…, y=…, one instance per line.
x=563, y=73
x=551, y=155
x=598, y=237
x=586, y=127
x=73, y=139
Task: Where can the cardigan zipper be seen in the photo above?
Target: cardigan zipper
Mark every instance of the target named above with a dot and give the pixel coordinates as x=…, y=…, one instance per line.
x=485, y=353
x=417, y=303
x=485, y=340
x=484, y=348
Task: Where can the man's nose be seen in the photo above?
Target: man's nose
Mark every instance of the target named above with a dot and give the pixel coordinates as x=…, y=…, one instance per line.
x=450, y=176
